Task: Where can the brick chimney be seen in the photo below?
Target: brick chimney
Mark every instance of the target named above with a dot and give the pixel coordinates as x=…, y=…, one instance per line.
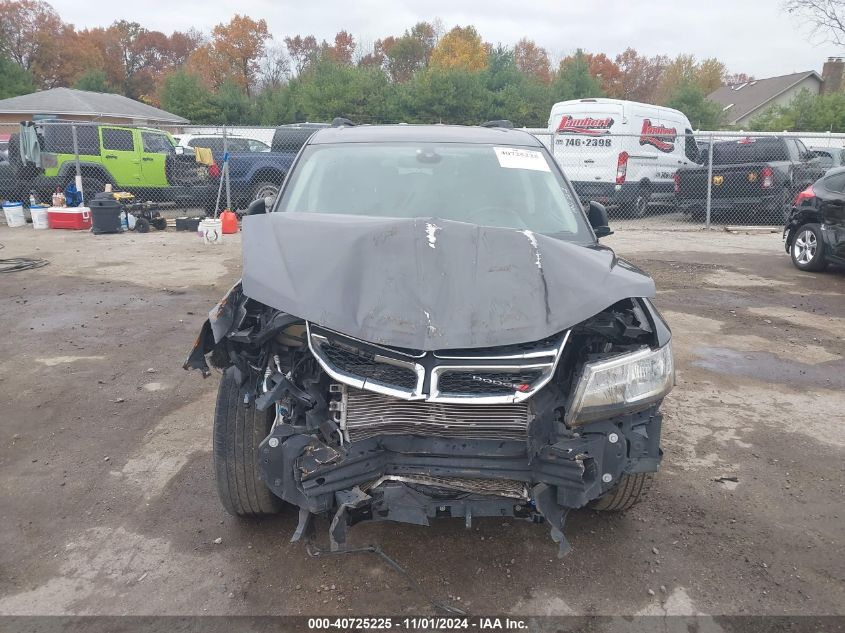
x=832, y=75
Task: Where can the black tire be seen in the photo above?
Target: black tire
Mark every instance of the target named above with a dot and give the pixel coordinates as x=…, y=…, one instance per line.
x=142, y=226
x=238, y=431
x=630, y=490
x=159, y=223
x=264, y=189
x=638, y=207
x=807, y=248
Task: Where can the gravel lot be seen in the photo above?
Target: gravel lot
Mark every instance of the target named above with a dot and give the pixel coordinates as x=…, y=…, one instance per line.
x=109, y=505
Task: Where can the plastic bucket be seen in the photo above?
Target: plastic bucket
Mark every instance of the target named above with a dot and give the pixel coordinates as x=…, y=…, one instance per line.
x=39, y=218
x=212, y=231
x=14, y=214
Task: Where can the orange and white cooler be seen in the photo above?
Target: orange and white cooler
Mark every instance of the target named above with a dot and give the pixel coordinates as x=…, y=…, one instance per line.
x=78, y=218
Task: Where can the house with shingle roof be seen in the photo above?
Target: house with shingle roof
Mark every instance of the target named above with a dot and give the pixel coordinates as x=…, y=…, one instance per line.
x=81, y=105
x=745, y=101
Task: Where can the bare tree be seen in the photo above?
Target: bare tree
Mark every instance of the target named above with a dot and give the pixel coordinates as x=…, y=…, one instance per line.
x=826, y=18
x=275, y=67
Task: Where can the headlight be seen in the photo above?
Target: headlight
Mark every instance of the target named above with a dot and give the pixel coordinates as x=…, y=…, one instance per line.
x=621, y=384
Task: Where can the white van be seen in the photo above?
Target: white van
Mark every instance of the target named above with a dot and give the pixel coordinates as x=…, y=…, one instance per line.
x=621, y=153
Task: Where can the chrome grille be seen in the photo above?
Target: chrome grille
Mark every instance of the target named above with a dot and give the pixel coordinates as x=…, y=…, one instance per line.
x=496, y=375
x=364, y=414
x=358, y=362
x=486, y=383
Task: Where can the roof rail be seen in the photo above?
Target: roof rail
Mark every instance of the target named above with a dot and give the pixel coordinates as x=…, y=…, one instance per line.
x=340, y=121
x=503, y=123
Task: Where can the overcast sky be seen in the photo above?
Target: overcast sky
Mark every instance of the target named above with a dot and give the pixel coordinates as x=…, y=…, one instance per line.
x=751, y=36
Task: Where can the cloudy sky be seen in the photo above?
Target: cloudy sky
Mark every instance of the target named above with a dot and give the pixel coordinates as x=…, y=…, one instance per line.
x=751, y=36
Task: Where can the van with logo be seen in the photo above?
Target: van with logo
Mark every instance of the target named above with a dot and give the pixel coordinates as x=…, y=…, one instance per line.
x=623, y=154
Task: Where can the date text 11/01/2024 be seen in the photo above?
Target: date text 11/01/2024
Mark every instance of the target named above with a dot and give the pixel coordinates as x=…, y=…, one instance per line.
x=418, y=624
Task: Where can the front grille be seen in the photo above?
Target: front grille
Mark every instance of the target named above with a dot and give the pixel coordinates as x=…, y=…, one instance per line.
x=492, y=375
x=364, y=364
x=365, y=414
x=486, y=383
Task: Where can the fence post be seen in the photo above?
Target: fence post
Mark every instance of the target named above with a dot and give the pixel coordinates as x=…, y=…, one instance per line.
x=78, y=179
x=709, y=181
x=226, y=169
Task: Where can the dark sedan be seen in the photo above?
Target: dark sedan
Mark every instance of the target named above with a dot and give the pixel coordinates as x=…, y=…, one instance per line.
x=815, y=230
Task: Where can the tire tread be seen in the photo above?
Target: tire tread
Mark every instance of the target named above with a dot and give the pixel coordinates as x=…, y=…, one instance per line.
x=630, y=490
x=238, y=431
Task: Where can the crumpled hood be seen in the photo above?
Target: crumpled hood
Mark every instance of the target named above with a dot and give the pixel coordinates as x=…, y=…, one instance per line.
x=429, y=284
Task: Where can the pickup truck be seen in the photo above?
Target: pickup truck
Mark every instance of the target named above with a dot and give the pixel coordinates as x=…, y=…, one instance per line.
x=756, y=176
x=254, y=175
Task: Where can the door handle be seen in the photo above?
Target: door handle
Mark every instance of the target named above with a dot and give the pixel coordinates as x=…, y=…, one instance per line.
x=589, y=160
x=147, y=159
x=110, y=156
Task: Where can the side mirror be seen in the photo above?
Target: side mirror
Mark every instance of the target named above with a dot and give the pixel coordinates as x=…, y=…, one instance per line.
x=597, y=215
x=257, y=207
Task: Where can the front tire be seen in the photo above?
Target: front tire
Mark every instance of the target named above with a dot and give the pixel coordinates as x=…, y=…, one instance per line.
x=807, y=250
x=238, y=431
x=264, y=190
x=630, y=490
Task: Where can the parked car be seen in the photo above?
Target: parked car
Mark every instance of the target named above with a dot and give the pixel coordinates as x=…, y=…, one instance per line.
x=215, y=143
x=140, y=160
x=829, y=157
x=428, y=327
x=254, y=175
x=815, y=231
x=621, y=153
x=756, y=176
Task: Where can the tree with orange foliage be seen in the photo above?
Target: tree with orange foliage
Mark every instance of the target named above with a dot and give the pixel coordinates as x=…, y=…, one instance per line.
x=532, y=59
x=26, y=27
x=27, y=32
x=233, y=53
x=461, y=48
x=639, y=78
x=343, y=49
x=304, y=51
x=607, y=72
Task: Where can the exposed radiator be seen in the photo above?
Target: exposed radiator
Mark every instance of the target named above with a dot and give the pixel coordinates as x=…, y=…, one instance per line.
x=363, y=414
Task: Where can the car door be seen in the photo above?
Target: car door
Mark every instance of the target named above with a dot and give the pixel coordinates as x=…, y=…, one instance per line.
x=833, y=214
x=156, y=148
x=807, y=167
x=120, y=155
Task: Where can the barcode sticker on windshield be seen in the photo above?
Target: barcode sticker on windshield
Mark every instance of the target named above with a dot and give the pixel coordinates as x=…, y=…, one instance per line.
x=516, y=158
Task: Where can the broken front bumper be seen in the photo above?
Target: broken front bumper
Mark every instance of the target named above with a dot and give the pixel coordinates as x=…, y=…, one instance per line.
x=412, y=479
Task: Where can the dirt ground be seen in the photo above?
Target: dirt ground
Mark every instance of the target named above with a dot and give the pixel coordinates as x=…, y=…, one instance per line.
x=109, y=503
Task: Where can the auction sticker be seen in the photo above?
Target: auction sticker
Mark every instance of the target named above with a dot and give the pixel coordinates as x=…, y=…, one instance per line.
x=517, y=158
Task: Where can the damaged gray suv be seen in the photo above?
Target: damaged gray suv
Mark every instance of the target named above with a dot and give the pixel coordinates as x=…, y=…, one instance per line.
x=427, y=327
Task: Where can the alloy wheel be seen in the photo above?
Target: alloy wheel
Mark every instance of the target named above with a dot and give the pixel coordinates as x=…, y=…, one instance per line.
x=805, y=247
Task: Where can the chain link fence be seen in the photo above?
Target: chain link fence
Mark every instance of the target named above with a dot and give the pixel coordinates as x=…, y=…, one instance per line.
x=655, y=179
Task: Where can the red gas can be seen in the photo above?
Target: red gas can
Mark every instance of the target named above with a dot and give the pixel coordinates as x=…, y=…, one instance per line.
x=229, y=222
x=78, y=218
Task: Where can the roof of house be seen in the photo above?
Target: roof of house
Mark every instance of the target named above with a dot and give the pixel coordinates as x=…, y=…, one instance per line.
x=740, y=100
x=70, y=102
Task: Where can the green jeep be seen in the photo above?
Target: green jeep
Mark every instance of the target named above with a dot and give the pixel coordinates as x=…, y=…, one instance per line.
x=142, y=161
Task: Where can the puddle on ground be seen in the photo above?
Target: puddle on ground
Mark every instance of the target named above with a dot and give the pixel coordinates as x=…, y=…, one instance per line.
x=769, y=367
